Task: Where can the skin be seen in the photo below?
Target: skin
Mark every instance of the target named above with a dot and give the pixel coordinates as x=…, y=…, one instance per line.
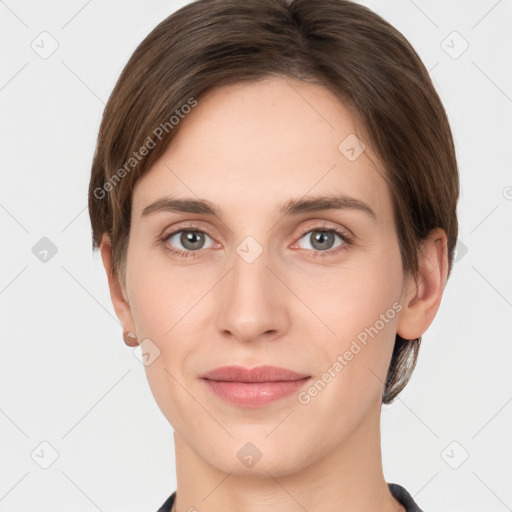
x=248, y=149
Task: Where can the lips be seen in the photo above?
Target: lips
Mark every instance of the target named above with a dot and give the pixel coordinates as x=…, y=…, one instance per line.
x=254, y=387
x=258, y=374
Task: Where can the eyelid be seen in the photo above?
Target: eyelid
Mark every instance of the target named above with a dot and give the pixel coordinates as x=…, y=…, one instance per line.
x=319, y=225
x=187, y=225
x=346, y=236
x=313, y=225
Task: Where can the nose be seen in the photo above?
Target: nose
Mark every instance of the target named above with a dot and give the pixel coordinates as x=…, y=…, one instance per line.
x=253, y=301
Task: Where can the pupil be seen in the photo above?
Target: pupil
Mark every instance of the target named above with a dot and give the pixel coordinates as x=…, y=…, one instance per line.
x=191, y=239
x=320, y=239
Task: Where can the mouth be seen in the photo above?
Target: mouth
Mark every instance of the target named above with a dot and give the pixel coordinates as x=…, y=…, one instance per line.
x=254, y=387
x=257, y=374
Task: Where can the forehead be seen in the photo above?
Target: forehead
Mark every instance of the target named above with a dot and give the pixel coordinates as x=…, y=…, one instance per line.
x=261, y=143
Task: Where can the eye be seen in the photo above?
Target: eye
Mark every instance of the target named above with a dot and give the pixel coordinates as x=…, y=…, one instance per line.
x=323, y=240
x=191, y=240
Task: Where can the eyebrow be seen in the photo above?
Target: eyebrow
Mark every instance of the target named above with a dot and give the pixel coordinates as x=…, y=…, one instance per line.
x=292, y=207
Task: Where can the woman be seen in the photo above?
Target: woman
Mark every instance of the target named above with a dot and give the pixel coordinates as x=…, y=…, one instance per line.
x=274, y=195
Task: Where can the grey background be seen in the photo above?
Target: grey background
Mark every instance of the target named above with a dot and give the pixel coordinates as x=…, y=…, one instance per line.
x=68, y=380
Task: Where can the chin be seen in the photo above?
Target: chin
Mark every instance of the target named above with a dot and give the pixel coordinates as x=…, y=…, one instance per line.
x=257, y=457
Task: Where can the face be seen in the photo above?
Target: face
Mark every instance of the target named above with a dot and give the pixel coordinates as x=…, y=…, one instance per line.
x=264, y=279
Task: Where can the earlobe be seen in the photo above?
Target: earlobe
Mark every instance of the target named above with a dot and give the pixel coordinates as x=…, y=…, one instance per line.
x=423, y=293
x=119, y=301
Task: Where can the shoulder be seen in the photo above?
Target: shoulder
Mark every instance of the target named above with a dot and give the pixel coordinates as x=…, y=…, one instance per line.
x=398, y=492
x=403, y=496
x=166, y=507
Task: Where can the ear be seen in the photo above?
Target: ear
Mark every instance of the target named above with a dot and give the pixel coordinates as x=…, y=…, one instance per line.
x=422, y=293
x=117, y=295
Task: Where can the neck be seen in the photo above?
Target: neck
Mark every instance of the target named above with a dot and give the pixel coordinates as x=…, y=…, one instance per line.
x=350, y=477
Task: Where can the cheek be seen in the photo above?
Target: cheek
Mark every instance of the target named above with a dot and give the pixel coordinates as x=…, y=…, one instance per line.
x=356, y=298
x=168, y=306
x=361, y=306
x=162, y=304
x=157, y=291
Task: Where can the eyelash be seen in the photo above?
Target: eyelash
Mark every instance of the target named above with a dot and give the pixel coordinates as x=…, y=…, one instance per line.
x=324, y=228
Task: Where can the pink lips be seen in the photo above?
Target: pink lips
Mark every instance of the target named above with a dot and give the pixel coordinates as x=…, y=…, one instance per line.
x=254, y=387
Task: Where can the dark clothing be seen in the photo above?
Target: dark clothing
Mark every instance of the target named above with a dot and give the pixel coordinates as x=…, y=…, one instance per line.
x=401, y=495
x=398, y=492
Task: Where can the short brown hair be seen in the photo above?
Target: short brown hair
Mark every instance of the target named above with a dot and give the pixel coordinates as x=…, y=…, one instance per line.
x=349, y=49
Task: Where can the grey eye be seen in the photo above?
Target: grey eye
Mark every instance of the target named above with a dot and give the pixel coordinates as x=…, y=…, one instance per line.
x=189, y=240
x=321, y=240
